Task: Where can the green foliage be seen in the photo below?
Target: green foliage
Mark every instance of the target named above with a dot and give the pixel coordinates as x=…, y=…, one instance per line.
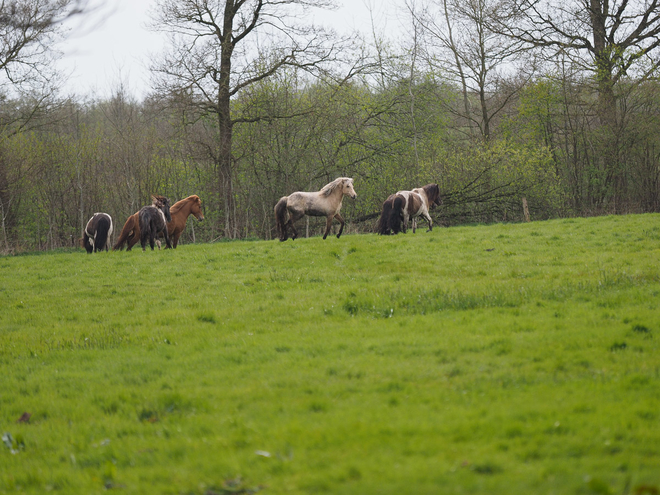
x=487, y=183
x=501, y=359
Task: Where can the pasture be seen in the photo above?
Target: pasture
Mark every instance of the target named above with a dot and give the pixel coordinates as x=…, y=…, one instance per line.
x=509, y=359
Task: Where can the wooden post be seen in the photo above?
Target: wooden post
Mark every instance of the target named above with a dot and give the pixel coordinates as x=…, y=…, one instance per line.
x=525, y=209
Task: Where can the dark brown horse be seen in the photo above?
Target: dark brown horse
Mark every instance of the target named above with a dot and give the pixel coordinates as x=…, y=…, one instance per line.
x=153, y=220
x=324, y=203
x=96, y=236
x=180, y=211
x=405, y=205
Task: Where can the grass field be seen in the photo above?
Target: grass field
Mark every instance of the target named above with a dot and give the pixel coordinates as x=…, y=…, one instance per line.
x=512, y=359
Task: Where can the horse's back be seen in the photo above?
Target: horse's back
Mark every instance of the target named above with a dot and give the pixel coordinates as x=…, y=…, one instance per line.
x=313, y=204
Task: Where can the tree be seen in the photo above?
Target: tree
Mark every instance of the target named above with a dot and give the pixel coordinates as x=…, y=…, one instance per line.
x=27, y=30
x=463, y=47
x=612, y=40
x=219, y=48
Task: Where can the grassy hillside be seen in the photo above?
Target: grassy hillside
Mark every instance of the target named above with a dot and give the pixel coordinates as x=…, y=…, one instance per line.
x=501, y=359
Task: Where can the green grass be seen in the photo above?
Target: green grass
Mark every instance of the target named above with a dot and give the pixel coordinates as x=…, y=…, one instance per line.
x=487, y=359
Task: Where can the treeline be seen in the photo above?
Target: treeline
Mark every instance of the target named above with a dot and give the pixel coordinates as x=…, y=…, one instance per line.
x=548, y=132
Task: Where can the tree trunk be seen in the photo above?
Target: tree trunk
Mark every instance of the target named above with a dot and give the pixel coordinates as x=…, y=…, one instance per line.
x=225, y=126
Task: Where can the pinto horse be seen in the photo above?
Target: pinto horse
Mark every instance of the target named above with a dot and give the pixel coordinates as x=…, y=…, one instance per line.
x=180, y=211
x=153, y=220
x=324, y=203
x=406, y=205
x=96, y=236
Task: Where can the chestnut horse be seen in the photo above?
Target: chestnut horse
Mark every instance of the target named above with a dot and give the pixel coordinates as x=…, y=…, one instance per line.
x=180, y=211
x=153, y=220
x=96, y=236
x=324, y=203
x=406, y=205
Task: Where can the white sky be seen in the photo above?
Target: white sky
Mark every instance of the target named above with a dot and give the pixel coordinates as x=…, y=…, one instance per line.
x=113, y=45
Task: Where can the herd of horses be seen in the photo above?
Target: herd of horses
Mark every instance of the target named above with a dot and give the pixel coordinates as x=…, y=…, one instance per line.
x=159, y=219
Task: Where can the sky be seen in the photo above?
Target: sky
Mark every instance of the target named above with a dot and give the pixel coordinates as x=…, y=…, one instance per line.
x=112, y=45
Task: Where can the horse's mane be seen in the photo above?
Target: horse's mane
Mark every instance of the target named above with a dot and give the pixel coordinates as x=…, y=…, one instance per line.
x=157, y=199
x=328, y=188
x=179, y=204
x=432, y=192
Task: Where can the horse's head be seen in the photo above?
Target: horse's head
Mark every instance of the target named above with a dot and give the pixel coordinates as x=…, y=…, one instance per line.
x=163, y=204
x=197, y=208
x=433, y=195
x=348, y=188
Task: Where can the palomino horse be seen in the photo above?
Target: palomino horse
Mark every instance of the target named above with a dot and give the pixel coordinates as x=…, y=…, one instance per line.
x=153, y=220
x=96, y=236
x=406, y=205
x=325, y=203
x=180, y=211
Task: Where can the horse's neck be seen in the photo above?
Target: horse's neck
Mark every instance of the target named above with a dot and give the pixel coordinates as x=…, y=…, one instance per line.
x=337, y=196
x=184, y=210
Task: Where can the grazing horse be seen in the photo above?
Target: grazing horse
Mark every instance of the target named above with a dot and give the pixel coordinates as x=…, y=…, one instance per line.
x=96, y=236
x=406, y=205
x=153, y=220
x=180, y=211
x=324, y=203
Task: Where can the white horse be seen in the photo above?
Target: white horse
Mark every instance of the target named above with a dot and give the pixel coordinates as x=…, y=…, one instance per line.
x=324, y=203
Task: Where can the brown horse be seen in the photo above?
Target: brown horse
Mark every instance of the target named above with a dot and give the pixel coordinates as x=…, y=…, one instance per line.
x=180, y=211
x=405, y=205
x=324, y=203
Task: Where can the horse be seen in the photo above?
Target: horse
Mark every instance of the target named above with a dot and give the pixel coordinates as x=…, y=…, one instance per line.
x=180, y=211
x=97, y=232
x=153, y=219
x=324, y=203
x=405, y=205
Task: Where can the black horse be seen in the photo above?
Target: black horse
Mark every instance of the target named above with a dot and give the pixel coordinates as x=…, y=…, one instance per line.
x=153, y=220
x=96, y=236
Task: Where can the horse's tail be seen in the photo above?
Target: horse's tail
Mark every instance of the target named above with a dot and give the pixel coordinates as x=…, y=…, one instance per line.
x=383, y=226
x=129, y=227
x=144, y=222
x=280, y=217
x=396, y=215
x=102, y=231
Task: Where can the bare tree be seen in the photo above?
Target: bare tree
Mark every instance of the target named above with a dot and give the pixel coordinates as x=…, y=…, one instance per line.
x=220, y=47
x=28, y=29
x=612, y=40
x=462, y=44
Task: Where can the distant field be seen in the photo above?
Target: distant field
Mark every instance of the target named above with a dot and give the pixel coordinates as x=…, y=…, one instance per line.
x=504, y=359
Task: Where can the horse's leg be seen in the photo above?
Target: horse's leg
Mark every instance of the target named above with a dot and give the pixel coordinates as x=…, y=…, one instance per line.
x=341, y=221
x=131, y=241
x=328, y=225
x=428, y=219
x=414, y=224
x=294, y=216
x=294, y=232
x=168, y=242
